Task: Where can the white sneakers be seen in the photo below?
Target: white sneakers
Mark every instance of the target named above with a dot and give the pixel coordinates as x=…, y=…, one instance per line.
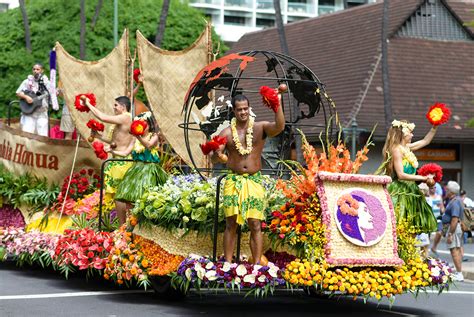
x=458, y=277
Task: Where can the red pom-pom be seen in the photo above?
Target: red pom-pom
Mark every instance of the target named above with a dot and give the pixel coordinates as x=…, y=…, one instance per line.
x=438, y=114
x=138, y=127
x=99, y=150
x=270, y=98
x=213, y=144
x=95, y=125
x=79, y=102
x=136, y=73
x=432, y=169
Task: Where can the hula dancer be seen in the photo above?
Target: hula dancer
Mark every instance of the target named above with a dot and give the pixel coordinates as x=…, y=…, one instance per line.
x=243, y=190
x=145, y=171
x=401, y=164
x=122, y=142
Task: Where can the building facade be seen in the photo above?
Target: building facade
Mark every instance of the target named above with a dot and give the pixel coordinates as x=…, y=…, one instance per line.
x=8, y=4
x=234, y=18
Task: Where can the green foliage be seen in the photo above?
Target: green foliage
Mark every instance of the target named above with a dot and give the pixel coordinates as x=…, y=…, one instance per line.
x=58, y=20
x=26, y=189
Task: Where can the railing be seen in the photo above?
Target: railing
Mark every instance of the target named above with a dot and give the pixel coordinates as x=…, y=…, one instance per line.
x=306, y=8
x=248, y=4
x=265, y=5
x=326, y=9
x=213, y=2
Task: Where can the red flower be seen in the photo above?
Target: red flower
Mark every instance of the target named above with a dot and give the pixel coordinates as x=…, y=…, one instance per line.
x=99, y=150
x=270, y=98
x=213, y=144
x=79, y=104
x=432, y=169
x=136, y=73
x=95, y=125
x=138, y=127
x=438, y=114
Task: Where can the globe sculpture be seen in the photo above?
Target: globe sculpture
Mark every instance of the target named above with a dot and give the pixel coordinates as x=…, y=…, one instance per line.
x=307, y=106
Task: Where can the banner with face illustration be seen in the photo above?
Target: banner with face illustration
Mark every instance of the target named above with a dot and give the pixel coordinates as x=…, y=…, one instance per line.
x=358, y=215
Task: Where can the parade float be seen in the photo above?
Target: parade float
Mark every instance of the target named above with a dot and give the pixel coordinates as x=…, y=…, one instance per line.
x=328, y=229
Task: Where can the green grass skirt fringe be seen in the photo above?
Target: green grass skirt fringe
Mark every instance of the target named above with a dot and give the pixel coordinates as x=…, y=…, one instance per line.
x=410, y=204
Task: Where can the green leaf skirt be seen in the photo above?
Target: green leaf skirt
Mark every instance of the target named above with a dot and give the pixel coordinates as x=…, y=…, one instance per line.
x=139, y=178
x=410, y=204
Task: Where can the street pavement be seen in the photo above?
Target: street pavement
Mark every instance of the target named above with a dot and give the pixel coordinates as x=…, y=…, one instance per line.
x=36, y=292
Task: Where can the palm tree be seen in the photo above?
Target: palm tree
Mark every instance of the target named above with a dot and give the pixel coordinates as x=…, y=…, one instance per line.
x=26, y=25
x=385, y=76
x=98, y=7
x=82, y=41
x=162, y=24
x=280, y=28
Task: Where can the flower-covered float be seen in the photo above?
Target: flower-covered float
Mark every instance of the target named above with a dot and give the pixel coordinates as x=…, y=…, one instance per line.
x=328, y=229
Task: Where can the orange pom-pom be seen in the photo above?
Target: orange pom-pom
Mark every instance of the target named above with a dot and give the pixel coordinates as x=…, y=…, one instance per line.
x=438, y=114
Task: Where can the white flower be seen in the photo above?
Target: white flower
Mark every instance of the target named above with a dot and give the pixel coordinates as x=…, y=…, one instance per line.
x=221, y=98
x=237, y=280
x=445, y=279
x=194, y=256
x=241, y=270
x=226, y=267
x=201, y=273
x=188, y=273
x=435, y=271
x=396, y=123
x=261, y=278
x=185, y=219
x=256, y=267
x=273, y=271
x=211, y=275
x=249, y=278
x=209, y=265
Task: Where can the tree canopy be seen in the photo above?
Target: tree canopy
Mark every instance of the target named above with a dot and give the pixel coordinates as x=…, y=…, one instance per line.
x=59, y=20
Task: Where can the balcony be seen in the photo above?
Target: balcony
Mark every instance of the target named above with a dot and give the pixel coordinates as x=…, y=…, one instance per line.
x=241, y=4
x=326, y=9
x=265, y=5
x=300, y=8
x=212, y=2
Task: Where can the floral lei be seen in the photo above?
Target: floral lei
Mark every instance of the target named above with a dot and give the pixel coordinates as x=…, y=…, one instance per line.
x=409, y=157
x=248, y=136
x=405, y=126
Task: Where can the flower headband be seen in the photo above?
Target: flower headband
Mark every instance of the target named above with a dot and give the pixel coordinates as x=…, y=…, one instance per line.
x=406, y=127
x=143, y=116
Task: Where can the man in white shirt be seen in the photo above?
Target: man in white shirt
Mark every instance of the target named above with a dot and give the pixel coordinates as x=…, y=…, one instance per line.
x=35, y=86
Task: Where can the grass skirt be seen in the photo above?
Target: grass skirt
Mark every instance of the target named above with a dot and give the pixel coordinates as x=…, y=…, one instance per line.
x=410, y=204
x=139, y=178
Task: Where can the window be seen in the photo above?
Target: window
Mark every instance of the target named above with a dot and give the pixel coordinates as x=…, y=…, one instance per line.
x=233, y=20
x=265, y=23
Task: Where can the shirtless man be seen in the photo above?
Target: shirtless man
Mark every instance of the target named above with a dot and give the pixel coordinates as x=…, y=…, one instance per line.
x=243, y=191
x=120, y=145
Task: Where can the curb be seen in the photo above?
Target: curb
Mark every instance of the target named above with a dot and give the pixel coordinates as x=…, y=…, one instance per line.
x=468, y=275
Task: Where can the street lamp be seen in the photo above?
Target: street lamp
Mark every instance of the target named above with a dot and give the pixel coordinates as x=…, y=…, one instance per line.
x=354, y=134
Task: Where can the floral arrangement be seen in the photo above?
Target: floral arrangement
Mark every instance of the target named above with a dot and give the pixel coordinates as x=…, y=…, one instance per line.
x=99, y=150
x=280, y=259
x=213, y=144
x=89, y=205
x=202, y=272
x=138, y=127
x=125, y=262
x=432, y=169
x=84, y=182
x=295, y=223
x=366, y=282
x=11, y=217
x=270, y=98
x=159, y=262
x=79, y=102
x=95, y=125
x=441, y=272
x=438, y=114
x=84, y=249
x=335, y=159
x=28, y=247
x=188, y=202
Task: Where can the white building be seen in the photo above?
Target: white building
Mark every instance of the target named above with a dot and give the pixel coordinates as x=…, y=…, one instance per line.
x=234, y=18
x=8, y=4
